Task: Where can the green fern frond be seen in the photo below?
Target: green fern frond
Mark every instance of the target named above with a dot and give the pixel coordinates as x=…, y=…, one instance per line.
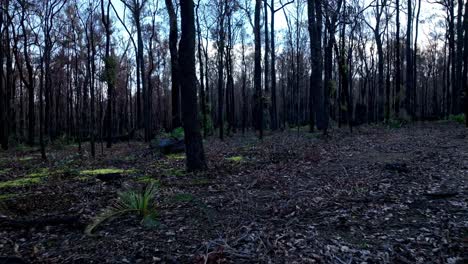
x=140, y=203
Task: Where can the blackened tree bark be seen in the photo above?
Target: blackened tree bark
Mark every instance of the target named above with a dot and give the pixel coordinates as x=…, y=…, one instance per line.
x=273, y=108
x=137, y=7
x=230, y=106
x=258, y=71
x=202, y=83
x=397, y=62
x=316, y=94
x=193, y=138
x=266, y=63
x=109, y=70
x=175, y=77
x=91, y=66
x=244, y=85
x=379, y=9
x=29, y=79
x=452, y=61
x=459, y=61
x=465, y=61
x=409, y=62
x=415, y=63
x=221, y=42
x=331, y=24
x=3, y=109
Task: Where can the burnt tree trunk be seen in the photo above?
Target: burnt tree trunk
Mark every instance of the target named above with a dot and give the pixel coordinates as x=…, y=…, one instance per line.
x=175, y=93
x=193, y=138
x=258, y=71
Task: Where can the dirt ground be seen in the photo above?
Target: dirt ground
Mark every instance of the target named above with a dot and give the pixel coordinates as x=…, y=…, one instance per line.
x=378, y=195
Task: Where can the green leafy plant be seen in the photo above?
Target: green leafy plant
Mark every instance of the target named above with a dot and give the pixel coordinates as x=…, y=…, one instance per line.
x=130, y=202
x=458, y=118
x=178, y=133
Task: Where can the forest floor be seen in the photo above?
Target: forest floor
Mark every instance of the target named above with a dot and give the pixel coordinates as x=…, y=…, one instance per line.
x=378, y=195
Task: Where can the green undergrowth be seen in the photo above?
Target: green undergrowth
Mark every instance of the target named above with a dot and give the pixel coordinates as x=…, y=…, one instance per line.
x=236, y=159
x=458, y=118
x=136, y=202
x=26, y=158
x=106, y=171
x=85, y=175
x=22, y=182
x=8, y=196
x=4, y=171
x=176, y=156
x=40, y=173
x=32, y=178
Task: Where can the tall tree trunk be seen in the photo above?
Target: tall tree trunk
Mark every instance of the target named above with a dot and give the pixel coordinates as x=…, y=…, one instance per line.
x=258, y=71
x=202, y=83
x=452, y=60
x=193, y=138
x=273, y=109
x=3, y=109
x=92, y=70
x=380, y=78
x=459, y=61
x=267, y=53
x=316, y=94
x=409, y=62
x=465, y=61
x=221, y=69
x=244, y=85
x=41, y=113
x=175, y=92
x=140, y=57
x=109, y=69
x=397, y=62
x=415, y=58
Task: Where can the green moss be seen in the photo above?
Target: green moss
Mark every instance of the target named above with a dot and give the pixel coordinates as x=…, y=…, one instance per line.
x=41, y=173
x=106, y=171
x=8, y=196
x=5, y=171
x=27, y=158
x=176, y=156
x=236, y=159
x=67, y=172
x=183, y=197
x=20, y=182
